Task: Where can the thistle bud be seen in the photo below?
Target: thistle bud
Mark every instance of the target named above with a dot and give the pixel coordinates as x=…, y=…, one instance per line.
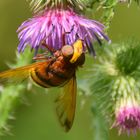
x=116, y=85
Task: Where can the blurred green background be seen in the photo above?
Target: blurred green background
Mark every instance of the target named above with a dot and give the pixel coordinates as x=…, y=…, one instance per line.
x=37, y=119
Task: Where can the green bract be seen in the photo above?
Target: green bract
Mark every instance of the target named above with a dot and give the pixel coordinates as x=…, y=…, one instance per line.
x=38, y=5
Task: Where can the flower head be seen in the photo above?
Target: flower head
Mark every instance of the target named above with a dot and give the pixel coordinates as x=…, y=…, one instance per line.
x=127, y=116
x=57, y=27
x=116, y=85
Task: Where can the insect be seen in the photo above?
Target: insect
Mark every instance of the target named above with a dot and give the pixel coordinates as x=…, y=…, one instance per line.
x=54, y=71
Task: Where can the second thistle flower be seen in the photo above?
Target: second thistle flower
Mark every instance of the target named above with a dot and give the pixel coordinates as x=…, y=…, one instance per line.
x=57, y=26
x=116, y=85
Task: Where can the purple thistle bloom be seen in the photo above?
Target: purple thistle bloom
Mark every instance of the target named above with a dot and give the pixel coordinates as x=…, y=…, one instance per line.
x=128, y=118
x=57, y=27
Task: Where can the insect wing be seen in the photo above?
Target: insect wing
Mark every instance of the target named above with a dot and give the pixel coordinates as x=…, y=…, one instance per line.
x=18, y=74
x=66, y=104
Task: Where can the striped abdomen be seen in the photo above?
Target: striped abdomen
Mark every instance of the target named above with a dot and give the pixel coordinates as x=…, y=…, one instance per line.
x=52, y=74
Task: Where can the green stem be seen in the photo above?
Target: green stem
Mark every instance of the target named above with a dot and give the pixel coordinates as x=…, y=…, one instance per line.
x=10, y=95
x=8, y=101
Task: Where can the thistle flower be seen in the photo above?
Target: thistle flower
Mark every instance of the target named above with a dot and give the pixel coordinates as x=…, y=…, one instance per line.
x=127, y=115
x=116, y=85
x=55, y=27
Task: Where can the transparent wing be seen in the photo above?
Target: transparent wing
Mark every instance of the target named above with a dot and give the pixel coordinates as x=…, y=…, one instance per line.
x=66, y=104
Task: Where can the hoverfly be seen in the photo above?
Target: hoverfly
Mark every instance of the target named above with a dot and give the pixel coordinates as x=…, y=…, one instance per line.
x=54, y=71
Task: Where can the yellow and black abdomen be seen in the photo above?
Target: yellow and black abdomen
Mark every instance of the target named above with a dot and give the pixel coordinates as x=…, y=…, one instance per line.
x=51, y=75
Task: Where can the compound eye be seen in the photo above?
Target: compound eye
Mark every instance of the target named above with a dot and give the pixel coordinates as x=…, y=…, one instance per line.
x=67, y=51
